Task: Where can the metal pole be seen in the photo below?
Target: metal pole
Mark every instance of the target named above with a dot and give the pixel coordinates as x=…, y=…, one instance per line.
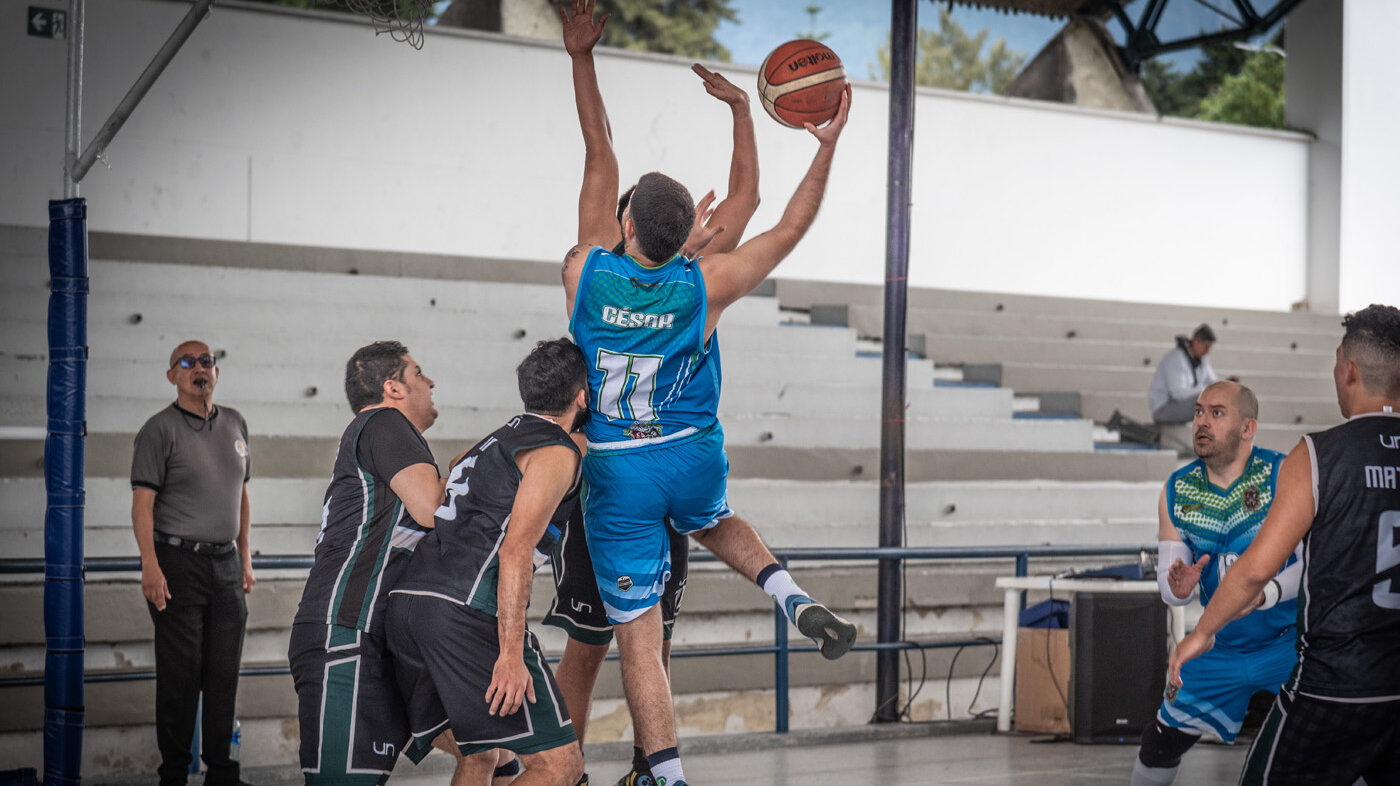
x=138, y=90
x=73, y=115
x=903, y=26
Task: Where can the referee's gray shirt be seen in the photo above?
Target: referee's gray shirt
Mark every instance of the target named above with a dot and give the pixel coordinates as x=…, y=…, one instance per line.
x=197, y=469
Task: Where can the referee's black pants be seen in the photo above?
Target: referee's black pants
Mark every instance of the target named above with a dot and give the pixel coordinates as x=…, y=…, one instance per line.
x=198, y=646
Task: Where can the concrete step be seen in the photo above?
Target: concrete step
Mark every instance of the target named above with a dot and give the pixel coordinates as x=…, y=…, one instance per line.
x=484, y=382
x=1033, y=377
x=109, y=455
x=945, y=348
x=1099, y=405
x=805, y=294
x=869, y=321
x=286, y=511
x=176, y=296
x=326, y=413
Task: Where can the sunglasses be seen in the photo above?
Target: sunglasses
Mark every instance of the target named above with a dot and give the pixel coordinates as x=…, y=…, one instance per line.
x=189, y=361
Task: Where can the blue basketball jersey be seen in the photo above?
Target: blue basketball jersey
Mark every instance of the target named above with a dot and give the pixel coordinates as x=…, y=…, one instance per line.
x=1221, y=523
x=651, y=377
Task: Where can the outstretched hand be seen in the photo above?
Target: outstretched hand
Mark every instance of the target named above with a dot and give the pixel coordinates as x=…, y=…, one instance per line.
x=1182, y=578
x=1193, y=646
x=721, y=88
x=581, y=33
x=701, y=233
x=828, y=134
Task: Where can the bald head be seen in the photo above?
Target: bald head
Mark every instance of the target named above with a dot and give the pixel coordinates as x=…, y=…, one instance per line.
x=1243, y=398
x=190, y=347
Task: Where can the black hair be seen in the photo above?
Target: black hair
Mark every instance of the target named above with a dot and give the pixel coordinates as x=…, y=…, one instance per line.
x=1204, y=333
x=662, y=215
x=551, y=375
x=1372, y=340
x=369, y=368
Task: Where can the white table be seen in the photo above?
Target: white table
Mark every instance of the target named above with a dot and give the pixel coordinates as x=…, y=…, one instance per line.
x=1015, y=585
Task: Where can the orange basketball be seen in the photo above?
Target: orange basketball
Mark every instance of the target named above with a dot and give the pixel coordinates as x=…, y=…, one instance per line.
x=801, y=82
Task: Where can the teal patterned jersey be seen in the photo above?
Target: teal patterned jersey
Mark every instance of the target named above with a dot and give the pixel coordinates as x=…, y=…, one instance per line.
x=1221, y=523
x=652, y=377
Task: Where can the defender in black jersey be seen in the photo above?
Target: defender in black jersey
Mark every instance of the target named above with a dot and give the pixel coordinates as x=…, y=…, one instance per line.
x=380, y=501
x=465, y=660
x=1338, y=716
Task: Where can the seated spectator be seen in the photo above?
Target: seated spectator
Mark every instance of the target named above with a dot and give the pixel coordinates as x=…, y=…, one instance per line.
x=1181, y=376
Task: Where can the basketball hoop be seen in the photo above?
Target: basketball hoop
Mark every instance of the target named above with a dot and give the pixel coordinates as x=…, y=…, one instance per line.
x=401, y=19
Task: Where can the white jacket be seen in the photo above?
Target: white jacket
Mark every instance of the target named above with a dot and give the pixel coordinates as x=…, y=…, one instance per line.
x=1176, y=380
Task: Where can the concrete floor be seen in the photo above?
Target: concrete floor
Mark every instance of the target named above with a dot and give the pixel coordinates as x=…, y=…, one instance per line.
x=981, y=759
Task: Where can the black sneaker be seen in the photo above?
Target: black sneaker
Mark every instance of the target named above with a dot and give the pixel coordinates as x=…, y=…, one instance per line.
x=835, y=636
x=635, y=778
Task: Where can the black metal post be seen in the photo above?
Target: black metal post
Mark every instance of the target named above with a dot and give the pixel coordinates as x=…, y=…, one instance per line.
x=903, y=25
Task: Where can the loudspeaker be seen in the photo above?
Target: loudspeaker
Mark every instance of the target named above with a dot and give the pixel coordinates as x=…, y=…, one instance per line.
x=1118, y=665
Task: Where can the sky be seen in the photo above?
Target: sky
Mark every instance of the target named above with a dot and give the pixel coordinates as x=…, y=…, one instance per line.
x=859, y=27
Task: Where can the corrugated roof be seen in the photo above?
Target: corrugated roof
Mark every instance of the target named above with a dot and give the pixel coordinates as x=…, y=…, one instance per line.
x=1057, y=8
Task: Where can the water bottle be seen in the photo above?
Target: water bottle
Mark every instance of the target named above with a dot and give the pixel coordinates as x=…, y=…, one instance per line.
x=235, y=741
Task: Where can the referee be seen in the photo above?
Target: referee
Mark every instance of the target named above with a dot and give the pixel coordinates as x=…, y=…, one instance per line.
x=189, y=510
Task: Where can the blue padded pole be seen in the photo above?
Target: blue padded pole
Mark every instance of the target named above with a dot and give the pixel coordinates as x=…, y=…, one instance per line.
x=63, y=479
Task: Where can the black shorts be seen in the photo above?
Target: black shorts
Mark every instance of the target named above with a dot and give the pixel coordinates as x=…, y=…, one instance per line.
x=444, y=655
x=1315, y=741
x=577, y=607
x=353, y=724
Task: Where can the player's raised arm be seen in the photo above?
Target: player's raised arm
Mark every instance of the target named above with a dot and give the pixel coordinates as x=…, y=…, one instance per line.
x=729, y=277
x=596, y=224
x=719, y=231
x=1290, y=516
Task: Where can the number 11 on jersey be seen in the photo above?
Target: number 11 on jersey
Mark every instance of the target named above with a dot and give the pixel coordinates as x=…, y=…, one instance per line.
x=620, y=368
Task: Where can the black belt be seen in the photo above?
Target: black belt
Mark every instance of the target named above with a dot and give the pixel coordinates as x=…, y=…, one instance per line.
x=197, y=546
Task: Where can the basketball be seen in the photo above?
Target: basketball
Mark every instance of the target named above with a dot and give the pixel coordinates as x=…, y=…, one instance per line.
x=801, y=82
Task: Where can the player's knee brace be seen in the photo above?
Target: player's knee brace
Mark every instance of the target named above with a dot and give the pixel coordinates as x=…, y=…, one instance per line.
x=1163, y=746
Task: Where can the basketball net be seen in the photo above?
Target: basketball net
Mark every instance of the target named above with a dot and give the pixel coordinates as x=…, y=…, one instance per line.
x=401, y=19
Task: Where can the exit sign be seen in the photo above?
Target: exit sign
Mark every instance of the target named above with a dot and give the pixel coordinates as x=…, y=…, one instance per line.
x=46, y=22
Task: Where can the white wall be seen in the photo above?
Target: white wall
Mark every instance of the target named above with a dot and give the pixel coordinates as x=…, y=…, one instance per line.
x=294, y=128
x=1370, y=158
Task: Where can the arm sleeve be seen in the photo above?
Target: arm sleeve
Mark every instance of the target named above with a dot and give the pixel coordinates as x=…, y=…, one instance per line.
x=389, y=443
x=149, y=457
x=1168, y=551
x=1284, y=586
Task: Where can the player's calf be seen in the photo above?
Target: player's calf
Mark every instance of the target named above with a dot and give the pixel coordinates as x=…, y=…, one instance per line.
x=561, y=766
x=1160, y=754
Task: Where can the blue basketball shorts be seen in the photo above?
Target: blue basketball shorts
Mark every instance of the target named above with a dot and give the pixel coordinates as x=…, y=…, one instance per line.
x=1216, y=687
x=630, y=496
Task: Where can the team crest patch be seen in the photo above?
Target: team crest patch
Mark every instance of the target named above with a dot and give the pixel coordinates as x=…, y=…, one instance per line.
x=643, y=430
x=1251, y=498
x=624, y=583
x=241, y=448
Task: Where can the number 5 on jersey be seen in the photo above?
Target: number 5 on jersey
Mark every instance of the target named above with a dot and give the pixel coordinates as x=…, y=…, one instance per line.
x=619, y=370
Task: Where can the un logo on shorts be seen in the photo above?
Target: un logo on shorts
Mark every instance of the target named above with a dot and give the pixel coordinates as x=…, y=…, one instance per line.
x=624, y=583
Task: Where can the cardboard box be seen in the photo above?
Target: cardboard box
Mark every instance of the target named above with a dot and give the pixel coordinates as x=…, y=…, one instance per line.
x=1042, y=680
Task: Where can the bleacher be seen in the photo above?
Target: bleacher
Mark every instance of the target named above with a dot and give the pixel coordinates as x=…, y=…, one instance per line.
x=802, y=421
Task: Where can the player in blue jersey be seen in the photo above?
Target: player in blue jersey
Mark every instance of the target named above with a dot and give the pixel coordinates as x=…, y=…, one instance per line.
x=646, y=320
x=1337, y=718
x=1208, y=513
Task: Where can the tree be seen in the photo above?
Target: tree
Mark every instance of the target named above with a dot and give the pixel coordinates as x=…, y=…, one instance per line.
x=949, y=57
x=1227, y=85
x=813, y=35
x=674, y=27
x=1253, y=97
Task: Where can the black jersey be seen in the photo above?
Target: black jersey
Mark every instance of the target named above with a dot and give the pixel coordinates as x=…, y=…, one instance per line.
x=1349, y=598
x=460, y=559
x=366, y=532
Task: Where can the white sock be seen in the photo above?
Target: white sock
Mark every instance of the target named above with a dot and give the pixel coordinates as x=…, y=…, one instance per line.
x=779, y=586
x=1144, y=775
x=668, y=772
